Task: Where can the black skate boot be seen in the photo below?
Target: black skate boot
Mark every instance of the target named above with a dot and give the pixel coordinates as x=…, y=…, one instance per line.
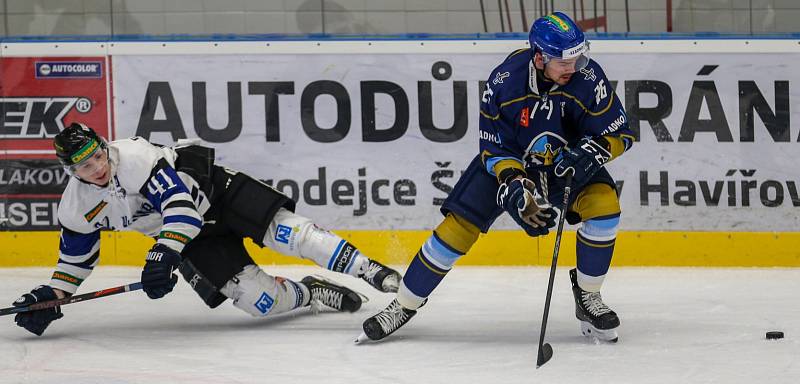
x=326, y=292
x=385, y=322
x=597, y=319
x=381, y=277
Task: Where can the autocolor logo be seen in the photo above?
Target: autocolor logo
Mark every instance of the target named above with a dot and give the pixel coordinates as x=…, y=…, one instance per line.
x=68, y=69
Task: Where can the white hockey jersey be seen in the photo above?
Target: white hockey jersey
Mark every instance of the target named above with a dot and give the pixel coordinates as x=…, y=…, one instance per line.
x=145, y=194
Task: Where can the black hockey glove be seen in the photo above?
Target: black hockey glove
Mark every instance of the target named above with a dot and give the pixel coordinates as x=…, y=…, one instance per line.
x=521, y=199
x=157, y=277
x=37, y=321
x=584, y=159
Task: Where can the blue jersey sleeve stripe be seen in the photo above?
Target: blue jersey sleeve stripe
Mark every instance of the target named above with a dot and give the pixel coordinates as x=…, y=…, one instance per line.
x=88, y=264
x=170, y=193
x=183, y=219
x=77, y=244
x=157, y=190
x=82, y=257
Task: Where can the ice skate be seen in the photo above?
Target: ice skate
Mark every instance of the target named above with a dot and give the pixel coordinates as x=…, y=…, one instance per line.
x=597, y=319
x=385, y=322
x=328, y=293
x=381, y=277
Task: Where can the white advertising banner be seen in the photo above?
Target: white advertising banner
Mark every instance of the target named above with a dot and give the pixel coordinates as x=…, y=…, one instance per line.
x=376, y=141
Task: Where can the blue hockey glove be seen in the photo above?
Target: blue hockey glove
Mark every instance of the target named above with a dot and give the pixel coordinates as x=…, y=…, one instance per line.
x=37, y=321
x=584, y=159
x=157, y=277
x=529, y=209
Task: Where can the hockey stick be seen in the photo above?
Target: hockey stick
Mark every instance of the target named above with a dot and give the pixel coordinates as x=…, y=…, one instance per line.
x=72, y=299
x=545, y=350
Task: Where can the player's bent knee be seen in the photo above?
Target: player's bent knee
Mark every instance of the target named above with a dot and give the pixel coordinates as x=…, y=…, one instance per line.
x=596, y=200
x=295, y=235
x=259, y=294
x=287, y=232
x=457, y=232
x=201, y=284
x=600, y=229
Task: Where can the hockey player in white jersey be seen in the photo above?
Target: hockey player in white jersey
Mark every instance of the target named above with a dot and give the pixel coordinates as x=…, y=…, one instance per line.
x=199, y=213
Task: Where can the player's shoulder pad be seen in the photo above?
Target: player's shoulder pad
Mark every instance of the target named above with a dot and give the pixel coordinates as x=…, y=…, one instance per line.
x=509, y=80
x=76, y=201
x=589, y=84
x=589, y=91
x=135, y=159
x=589, y=76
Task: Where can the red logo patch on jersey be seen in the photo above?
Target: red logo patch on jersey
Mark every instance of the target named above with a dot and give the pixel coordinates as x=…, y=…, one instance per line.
x=523, y=118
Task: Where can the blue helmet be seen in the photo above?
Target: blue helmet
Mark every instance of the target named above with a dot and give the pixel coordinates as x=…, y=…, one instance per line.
x=557, y=36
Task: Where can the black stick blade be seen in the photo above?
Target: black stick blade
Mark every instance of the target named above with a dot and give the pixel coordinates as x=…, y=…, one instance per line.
x=545, y=353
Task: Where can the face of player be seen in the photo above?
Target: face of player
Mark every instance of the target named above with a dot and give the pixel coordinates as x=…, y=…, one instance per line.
x=557, y=70
x=96, y=169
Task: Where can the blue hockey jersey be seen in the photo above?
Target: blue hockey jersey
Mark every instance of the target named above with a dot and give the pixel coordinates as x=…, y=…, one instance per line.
x=526, y=120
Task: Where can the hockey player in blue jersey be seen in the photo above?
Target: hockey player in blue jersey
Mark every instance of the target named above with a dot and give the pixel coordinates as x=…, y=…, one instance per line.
x=199, y=214
x=546, y=111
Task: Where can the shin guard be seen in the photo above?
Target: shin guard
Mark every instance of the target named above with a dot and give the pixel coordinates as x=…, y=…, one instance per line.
x=426, y=271
x=594, y=249
x=259, y=294
x=295, y=235
x=449, y=241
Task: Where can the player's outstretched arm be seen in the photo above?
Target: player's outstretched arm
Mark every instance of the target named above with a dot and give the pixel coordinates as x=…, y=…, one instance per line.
x=181, y=222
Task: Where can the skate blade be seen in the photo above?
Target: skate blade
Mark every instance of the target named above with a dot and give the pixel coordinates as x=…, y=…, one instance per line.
x=603, y=335
x=362, y=339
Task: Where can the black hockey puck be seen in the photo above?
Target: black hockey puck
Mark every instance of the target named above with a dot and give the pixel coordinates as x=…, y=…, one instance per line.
x=774, y=335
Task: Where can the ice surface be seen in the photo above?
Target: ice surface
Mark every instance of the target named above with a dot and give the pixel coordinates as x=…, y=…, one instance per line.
x=691, y=325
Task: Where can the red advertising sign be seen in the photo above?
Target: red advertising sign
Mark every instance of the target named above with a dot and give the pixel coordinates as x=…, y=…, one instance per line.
x=41, y=95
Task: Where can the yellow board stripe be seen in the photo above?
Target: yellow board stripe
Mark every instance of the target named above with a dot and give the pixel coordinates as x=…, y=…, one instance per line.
x=497, y=248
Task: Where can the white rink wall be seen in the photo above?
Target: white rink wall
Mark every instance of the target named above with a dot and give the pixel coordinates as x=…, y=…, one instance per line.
x=370, y=135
